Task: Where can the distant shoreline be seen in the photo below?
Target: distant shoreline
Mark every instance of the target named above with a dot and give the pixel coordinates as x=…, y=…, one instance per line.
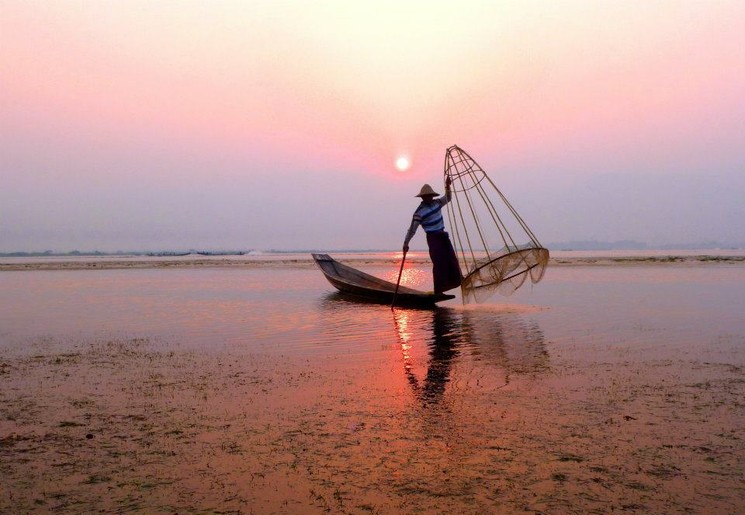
x=704, y=249
x=112, y=263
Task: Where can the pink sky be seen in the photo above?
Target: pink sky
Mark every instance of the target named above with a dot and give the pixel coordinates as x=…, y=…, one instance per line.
x=139, y=124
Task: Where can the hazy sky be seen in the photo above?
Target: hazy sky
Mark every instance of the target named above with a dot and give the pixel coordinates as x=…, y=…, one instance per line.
x=133, y=125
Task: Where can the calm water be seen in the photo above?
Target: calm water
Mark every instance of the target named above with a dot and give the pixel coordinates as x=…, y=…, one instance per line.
x=295, y=311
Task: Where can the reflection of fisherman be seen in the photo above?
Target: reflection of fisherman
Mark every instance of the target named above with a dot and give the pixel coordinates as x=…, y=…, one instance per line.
x=443, y=349
x=445, y=268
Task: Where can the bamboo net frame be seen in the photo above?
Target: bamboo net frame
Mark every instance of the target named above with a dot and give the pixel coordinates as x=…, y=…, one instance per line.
x=497, y=250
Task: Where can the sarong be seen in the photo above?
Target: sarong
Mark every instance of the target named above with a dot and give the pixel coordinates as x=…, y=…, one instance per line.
x=445, y=268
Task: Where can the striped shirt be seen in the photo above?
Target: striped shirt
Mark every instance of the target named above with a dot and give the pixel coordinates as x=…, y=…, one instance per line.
x=429, y=216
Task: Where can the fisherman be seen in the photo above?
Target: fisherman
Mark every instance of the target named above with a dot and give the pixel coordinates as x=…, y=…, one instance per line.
x=445, y=269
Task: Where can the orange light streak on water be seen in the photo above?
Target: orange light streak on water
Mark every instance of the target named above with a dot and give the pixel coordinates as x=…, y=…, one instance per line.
x=401, y=320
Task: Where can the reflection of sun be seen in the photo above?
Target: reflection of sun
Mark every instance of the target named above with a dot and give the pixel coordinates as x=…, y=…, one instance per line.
x=401, y=321
x=411, y=276
x=402, y=163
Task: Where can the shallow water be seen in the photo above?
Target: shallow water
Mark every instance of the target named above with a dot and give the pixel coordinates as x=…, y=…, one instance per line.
x=260, y=389
x=294, y=310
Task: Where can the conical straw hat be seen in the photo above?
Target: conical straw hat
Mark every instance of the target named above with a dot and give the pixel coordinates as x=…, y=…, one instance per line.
x=426, y=190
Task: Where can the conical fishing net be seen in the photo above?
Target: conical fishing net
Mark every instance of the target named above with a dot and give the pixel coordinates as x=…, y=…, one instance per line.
x=497, y=250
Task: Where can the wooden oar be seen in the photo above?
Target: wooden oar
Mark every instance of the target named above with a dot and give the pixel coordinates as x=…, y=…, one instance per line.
x=400, y=271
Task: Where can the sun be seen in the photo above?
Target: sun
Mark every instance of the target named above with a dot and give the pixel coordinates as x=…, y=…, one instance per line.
x=402, y=163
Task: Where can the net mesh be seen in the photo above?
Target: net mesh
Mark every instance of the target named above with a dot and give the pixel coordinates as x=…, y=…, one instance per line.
x=497, y=250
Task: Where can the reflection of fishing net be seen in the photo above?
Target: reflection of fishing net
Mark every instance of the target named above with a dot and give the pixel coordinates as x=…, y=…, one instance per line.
x=498, y=251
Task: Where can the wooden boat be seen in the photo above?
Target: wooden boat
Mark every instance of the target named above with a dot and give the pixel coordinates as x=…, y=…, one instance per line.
x=351, y=281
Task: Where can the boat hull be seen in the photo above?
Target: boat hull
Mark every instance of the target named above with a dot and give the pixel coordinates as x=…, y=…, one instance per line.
x=356, y=283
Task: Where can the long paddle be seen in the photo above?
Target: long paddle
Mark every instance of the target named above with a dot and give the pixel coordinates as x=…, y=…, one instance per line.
x=400, y=271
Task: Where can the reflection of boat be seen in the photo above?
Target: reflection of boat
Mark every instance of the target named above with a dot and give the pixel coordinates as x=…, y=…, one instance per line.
x=354, y=282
